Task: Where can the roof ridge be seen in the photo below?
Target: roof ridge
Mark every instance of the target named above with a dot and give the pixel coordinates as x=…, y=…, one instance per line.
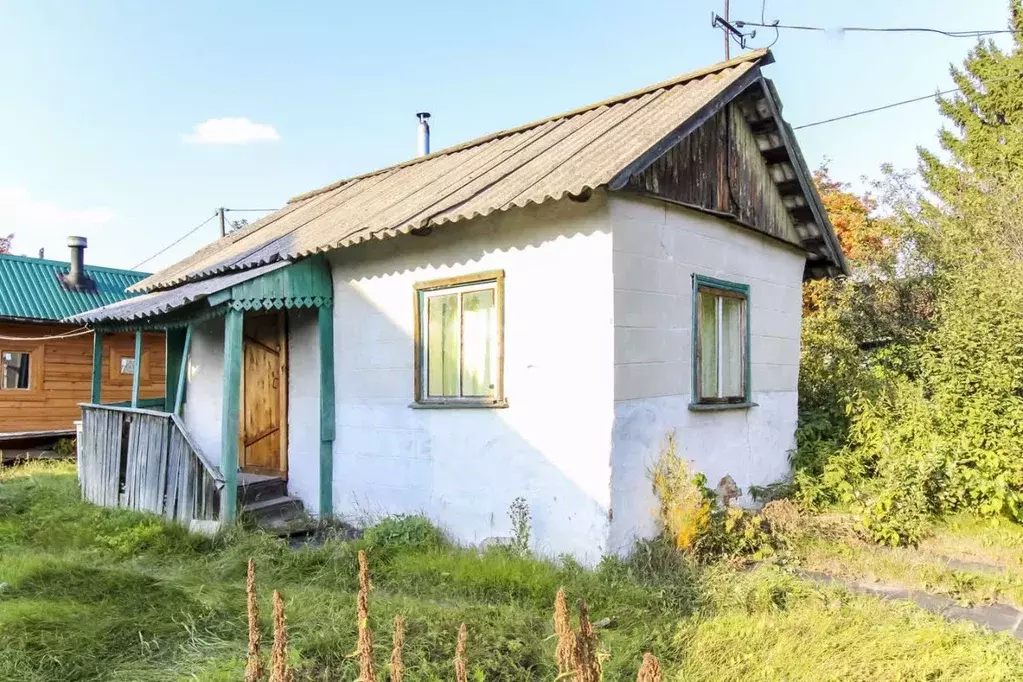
x=761, y=54
x=32, y=260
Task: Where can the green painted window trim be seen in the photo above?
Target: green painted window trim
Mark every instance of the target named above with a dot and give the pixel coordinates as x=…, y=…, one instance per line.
x=702, y=281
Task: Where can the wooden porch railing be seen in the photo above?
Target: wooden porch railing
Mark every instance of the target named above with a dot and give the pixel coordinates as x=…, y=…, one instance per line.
x=143, y=459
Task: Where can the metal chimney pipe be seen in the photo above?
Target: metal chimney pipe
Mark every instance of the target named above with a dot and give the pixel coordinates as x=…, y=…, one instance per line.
x=76, y=277
x=424, y=132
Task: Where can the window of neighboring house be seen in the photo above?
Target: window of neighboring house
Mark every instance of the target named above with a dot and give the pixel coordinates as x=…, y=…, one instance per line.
x=721, y=341
x=122, y=363
x=460, y=340
x=15, y=368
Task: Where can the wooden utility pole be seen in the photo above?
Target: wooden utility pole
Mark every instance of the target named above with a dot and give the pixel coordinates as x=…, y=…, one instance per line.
x=223, y=225
x=728, y=55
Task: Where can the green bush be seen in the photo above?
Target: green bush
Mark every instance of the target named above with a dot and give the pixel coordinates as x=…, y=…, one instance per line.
x=915, y=430
x=406, y=532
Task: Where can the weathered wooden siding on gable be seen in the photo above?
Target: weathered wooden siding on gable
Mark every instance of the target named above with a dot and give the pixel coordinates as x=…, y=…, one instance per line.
x=720, y=168
x=65, y=379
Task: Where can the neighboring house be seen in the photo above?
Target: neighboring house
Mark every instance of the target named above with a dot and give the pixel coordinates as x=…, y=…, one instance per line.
x=46, y=364
x=527, y=314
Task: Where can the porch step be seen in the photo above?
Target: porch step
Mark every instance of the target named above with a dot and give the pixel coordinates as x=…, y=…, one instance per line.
x=274, y=511
x=254, y=488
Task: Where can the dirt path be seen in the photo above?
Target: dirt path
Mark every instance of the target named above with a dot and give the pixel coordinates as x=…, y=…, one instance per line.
x=995, y=617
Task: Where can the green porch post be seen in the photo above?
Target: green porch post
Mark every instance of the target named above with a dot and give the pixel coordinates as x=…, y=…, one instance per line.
x=97, y=365
x=179, y=394
x=138, y=370
x=229, y=419
x=325, y=322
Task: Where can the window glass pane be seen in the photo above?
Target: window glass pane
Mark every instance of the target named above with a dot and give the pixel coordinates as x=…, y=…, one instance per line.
x=14, y=368
x=708, y=345
x=127, y=365
x=478, y=331
x=442, y=345
x=732, y=340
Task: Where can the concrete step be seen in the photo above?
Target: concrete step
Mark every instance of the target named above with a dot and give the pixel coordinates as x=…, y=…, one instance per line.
x=254, y=488
x=275, y=511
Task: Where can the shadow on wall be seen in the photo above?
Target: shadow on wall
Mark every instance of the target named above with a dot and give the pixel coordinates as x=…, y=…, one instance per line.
x=464, y=467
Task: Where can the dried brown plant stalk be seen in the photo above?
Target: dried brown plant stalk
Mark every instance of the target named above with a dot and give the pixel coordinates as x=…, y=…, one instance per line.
x=650, y=671
x=365, y=650
x=279, y=669
x=397, y=665
x=254, y=665
x=460, y=673
x=587, y=668
x=564, y=652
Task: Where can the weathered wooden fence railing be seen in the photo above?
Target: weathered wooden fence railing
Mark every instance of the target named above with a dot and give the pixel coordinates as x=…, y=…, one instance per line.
x=142, y=459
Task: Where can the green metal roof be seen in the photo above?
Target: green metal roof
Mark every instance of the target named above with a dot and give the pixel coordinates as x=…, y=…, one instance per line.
x=30, y=288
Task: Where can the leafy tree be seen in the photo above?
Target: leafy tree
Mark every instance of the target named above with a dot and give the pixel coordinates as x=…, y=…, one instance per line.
x=934, y=423
x=859, y=231
x=986, y=134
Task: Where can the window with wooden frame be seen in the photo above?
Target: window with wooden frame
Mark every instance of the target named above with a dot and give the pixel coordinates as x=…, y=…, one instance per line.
x=459, y=341
x=122, y=364
x=721, y=341
x=21, y=370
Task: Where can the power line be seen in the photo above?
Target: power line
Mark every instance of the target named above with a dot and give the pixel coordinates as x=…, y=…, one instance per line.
x=66, y=335
x=176, y=241
x=873, y=29
x=250, y=210
x=880, y=108
x=897, y=104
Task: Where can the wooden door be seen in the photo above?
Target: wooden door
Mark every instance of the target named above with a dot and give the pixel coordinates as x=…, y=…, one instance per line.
x=264, y=410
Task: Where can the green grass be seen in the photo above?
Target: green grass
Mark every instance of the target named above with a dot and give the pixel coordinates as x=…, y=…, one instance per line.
x=96, y=594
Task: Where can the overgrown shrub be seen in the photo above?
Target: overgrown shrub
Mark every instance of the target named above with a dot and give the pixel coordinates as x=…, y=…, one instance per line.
x=404, y=532
x=909, y=431
x=691, y=517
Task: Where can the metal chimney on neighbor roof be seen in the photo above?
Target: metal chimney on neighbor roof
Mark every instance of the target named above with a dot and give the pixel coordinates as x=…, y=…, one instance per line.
x=76, y=277
x=424, y=132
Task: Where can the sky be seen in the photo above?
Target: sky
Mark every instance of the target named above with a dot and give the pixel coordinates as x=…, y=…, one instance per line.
x=130, y=122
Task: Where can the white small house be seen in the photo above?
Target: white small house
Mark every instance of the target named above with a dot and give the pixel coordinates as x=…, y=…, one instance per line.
x=528, y=314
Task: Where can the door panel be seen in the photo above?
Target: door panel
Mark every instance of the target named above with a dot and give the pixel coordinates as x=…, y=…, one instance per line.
x=263, y=447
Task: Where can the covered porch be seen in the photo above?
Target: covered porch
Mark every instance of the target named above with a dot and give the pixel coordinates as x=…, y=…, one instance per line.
x=147, y=455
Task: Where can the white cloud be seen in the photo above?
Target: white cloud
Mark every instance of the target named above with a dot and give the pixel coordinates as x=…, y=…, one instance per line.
x=19, y=211
x=36, y=223
x=231, y=131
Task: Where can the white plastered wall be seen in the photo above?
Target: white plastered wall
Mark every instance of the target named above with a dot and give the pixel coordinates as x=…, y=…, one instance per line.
x=657, y=249
x=204, y=395
x=304, y=408
x=464, y=467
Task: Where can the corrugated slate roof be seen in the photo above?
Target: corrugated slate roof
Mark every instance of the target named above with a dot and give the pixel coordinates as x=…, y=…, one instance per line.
x=563, y=155
x=160, y=302
x=30, y=288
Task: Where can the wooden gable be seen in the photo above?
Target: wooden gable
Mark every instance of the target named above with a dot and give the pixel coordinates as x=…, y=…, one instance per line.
x=719, y=168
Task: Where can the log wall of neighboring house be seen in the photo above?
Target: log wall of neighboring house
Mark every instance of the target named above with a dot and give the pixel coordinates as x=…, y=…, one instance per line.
x=60, y=375
x=719, y=167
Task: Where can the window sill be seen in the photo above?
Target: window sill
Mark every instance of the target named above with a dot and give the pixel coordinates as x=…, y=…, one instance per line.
x=719, y=407
x=459, y=405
